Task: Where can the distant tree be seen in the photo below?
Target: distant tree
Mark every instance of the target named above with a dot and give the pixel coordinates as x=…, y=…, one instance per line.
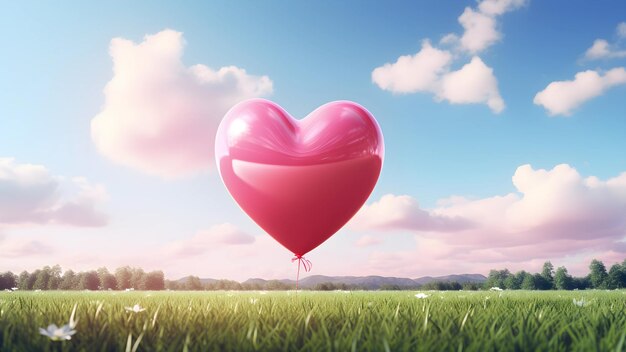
x=123, y=276
x=514, y=282
x=68, y=281
x=548, y=274
x=54, y=281
x=472, y=286
x=107, y=280
x=89, y=280
x=528, y=283
x=581, y=283
x=41, y=278
x=520, y=276
x=597, y=274
x=615, y=278
x=32, y=279
x=391, y=287
x=154, y=280
x=541, y=283
x=172, y=285
x=137, y=279
x=276, y=285
x=193, y=284
x=255, y=286
x=496, y=278
x=324, y=286
x=224, y=285
x=23, y=281
x=442, y=286
x=562, y=280
x=8, y=280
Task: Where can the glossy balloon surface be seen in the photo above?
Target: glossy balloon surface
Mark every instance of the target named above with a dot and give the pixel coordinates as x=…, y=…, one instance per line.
x=299, y=180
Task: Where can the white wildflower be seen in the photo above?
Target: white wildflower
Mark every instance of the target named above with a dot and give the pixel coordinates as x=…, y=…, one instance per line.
x=135, y=309
x=55, y=333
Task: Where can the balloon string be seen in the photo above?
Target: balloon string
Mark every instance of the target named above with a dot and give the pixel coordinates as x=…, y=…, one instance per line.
x=305, y=263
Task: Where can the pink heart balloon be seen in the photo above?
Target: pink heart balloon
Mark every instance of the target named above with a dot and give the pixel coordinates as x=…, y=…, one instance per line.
x=300, y=180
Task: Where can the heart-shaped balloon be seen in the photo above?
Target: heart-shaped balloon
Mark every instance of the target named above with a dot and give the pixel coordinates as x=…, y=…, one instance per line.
x=300, y=180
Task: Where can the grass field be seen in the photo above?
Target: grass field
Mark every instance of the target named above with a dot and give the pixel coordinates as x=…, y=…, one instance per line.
x=317, y=321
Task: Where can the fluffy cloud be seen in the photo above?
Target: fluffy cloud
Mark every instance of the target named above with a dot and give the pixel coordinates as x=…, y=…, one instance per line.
x=403, y=212
x=24, y=248
x=555, y=214
x=429, y=69
x=367, y=241
x=480, y=31
x=161, y=116
x=562, y=97
x=29, y=194
x=417, y=73
x=621, y=30
x=480, y=25
x=204, y=241
x=473, y=83
x=601, y=49
x=499, y=7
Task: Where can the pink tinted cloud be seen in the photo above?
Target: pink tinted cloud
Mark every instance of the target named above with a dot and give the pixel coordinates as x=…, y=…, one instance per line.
x=29, y=194
x=393, y=212
x=555, y=215
x=20, y=248
x=161, y=116
x=216, y=237
x=368, y=241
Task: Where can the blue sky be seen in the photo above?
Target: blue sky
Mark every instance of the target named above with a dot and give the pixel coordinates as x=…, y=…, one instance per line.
x=55, y=65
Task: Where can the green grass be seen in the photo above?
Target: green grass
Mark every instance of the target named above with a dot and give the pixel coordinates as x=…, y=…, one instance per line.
x=318, y=321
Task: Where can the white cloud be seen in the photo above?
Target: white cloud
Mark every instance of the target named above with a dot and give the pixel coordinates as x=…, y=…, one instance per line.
x=499, y=7
x=368, y=241
x=602, y=49
x=480, y=25
x=429, y=69
x=403, y=212
x=480, y=31
x=473, y=83
x=215, y=237
x=554, y=214
x=21, y=248
x=161, y=116
x=621, y=30
x=29, y=194
x=413, y=73
x=563, y=97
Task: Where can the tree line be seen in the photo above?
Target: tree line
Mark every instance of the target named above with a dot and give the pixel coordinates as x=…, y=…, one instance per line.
x=560, y=279
x=129, y=278
x=52, y=278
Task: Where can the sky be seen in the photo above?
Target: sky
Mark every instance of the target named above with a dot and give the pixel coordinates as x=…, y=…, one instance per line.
x=504, y=124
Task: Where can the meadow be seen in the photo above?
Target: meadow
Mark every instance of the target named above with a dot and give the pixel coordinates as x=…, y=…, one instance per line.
x=317, y=321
